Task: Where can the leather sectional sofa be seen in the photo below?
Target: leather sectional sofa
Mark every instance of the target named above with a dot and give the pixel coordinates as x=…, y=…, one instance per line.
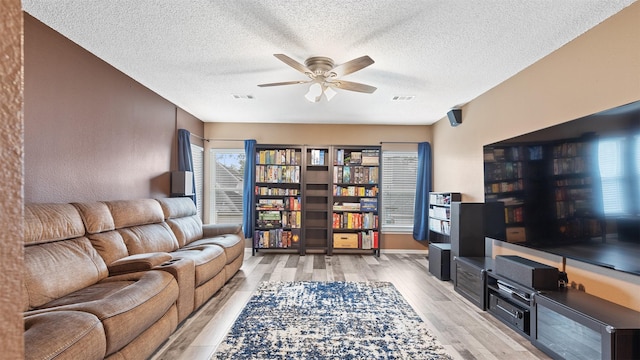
x=115, y=279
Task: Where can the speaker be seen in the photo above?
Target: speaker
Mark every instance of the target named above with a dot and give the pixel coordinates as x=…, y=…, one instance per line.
x=181, y=183
x=527, y=272
x=455, y=117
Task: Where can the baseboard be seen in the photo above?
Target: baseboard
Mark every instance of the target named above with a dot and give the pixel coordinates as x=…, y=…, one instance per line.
x=403, y=251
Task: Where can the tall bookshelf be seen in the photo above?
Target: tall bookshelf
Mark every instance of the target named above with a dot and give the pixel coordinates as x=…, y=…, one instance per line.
x=316, y=199
x=277, y=199
x=440, y=215
x=355, y=191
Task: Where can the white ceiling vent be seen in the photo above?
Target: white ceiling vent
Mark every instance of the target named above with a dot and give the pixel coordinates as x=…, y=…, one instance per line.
x=246, y=97
x=403, y=98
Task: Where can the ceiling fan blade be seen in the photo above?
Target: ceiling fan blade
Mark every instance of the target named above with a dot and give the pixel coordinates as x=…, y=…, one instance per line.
x=294, y=64
x=352, y=86
x=285, y=83
x=352, y=66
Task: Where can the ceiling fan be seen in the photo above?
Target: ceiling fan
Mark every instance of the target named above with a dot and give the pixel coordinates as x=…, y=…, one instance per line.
x=324, y=75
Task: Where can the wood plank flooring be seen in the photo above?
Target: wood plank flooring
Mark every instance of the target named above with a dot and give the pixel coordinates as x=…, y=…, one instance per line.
x=466, y=331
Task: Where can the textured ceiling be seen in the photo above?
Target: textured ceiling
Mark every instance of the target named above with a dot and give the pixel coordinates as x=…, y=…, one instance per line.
x=198, y=54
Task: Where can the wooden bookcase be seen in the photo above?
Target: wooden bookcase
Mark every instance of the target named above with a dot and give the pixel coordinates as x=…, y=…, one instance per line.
x=277, y=199
x=355, y=193
x=317, y=198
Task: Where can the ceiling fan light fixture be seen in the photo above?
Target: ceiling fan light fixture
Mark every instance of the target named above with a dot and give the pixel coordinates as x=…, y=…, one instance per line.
x=315, y=92
x=329, y=93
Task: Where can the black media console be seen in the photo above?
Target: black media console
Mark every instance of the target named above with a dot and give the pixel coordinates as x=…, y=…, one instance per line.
x=564, y=323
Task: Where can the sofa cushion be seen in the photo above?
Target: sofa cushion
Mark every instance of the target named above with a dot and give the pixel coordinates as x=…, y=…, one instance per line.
x=232, y=244
x=110, y=245
x=54, y=270
x=149, y=238
x=128, y=213
x=96, y=217
x=209, y=261
x=51, y=222
x=64, y=335
x=182, y=217
x=126, y=305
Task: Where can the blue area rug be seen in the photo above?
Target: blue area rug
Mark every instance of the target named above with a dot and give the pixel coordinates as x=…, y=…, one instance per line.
x=329, y=320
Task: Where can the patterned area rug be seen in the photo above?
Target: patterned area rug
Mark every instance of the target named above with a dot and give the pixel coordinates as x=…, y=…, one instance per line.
x=329, y=320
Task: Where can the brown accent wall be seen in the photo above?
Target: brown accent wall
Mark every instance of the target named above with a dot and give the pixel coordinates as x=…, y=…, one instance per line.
x=597, y=71
x=11, y=201
x=91, y=132
x=307, y=134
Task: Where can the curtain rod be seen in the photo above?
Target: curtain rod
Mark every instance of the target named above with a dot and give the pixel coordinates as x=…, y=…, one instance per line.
x=207, y=140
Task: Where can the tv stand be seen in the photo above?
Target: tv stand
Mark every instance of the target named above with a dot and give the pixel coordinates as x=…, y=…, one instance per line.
x=572, y=324
x=510, y=302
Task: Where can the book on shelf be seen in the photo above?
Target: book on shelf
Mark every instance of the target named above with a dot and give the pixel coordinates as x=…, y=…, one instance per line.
x=356, y=158
x=370, y=157
x=276, y=239
x=369, y=204
x=317, y=156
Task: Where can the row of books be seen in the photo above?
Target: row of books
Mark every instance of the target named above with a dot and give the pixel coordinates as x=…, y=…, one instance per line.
x=514, y=153
x=364, y=240
x=368, y=240
x=364, y=157
x=443, y=213
x=279, y=157
x=365, y=204
x=287, y=203
x=276, y=238
x=564, y=193
x=440, y=226
x=267, y=190
x=354, y=191
x=277, y=174
x=355, y=174
x=317, y=157
x=351, y=220
x=284, y=219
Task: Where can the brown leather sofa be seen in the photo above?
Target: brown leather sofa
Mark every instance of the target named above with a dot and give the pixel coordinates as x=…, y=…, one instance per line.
x=115, y=279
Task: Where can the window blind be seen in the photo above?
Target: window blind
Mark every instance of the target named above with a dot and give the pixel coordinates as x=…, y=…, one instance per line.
x=399, y=172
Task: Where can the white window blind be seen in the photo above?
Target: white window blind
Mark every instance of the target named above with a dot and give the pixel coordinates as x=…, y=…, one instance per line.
x=399, y=173
x=611, y=167
x=227, y=172
x=197, y=154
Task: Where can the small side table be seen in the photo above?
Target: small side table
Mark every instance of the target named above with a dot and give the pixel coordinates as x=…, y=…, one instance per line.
x=440, y=260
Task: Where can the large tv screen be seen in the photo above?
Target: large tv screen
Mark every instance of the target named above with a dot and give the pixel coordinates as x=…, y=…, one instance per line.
x=573, y=189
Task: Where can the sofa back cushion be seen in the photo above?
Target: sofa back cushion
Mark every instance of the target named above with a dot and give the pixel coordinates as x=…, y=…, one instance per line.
x=142, y=227
x=101, y=231
x=45, y=223
x=182, y=216
x=137, y=212
x=58, y=260
x=149, y=238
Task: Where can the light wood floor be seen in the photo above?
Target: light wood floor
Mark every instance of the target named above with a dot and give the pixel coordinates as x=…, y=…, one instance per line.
x=466, y=331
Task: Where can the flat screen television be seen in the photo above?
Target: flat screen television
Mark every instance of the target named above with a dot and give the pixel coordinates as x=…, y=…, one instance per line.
x=572, y=189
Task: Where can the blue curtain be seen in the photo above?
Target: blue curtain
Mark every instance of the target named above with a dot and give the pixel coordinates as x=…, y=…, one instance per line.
x=185, y=160
x=247, y=188
x=423, y=187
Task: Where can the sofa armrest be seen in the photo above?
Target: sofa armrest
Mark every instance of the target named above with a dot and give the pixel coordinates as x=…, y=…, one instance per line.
x=213, y=230
x=139, y=262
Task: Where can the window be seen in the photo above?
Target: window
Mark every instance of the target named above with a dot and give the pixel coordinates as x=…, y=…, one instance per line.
x=399, y=174
x=227, y=172
x=197, y=154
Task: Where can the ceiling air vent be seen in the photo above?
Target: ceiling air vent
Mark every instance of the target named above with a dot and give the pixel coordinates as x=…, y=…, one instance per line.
x=238, y=96
x=403, y=98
